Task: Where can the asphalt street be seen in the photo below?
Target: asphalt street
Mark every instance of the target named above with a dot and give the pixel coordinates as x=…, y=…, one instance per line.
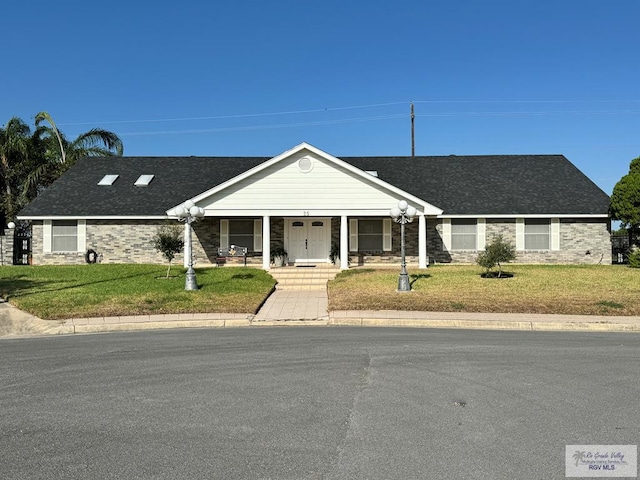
x=313, y=403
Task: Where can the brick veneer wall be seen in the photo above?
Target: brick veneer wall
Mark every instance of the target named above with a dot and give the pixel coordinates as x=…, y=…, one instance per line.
x=581, y=241
x=7, y=247
x=119, y=241
x=586, y=241
x=129, y=241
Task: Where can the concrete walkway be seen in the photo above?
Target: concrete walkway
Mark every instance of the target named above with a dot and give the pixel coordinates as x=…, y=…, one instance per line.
x=295, y=305
x=309, y=308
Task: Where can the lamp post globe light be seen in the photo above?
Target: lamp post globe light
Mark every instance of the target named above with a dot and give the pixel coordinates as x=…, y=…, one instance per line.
x=188, y=213
x=403, y=214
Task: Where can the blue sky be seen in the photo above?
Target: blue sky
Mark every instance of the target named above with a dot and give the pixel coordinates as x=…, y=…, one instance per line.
x=257, y=78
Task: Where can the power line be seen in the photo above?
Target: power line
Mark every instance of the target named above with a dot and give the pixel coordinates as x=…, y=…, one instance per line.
x=366, y=119
x=245, y=115
x=334, y=109
x=263, y=127
x=524, y=114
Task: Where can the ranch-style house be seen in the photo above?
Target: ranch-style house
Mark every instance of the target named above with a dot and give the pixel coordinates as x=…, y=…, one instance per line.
x=309, y=201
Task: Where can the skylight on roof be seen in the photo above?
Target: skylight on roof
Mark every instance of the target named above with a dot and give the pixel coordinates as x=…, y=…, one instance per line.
x=108, y=179
x=373, y=173
x=143, y=180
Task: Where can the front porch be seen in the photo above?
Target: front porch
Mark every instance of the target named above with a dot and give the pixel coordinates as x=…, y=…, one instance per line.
x=324, y=240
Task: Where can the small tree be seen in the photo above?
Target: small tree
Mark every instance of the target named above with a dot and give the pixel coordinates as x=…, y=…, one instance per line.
x=625, y=202
x=168, y=241
x=499, y=251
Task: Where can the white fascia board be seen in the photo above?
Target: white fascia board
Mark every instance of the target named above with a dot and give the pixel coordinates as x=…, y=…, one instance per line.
x=92, y=217
x=421, y=205
x=298, y=213
x=528, y=215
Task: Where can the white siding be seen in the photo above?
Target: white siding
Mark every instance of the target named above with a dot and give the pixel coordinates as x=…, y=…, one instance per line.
x=283, y=186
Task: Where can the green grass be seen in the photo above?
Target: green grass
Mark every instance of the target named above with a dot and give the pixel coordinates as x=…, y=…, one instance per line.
x=57, y=292
x=562, y=289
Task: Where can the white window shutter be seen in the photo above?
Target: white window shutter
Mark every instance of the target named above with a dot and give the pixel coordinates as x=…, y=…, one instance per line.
x=386, y=234
x=224, y=233
x=353, y=235
x=257, y=235
x=481, y=234
x=46, y=236
x=555, y=234
x=82, y=235
x=446, y=234
x=519, y=233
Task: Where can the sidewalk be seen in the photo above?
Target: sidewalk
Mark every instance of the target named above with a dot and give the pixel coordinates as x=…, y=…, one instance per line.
x=309, y=308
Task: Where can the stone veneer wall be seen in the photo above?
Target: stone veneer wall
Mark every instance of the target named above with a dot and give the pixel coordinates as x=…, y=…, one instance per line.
x=116, y=241
x=584, y=241
x=129, y=241
x=206, y=241
x=6, y=252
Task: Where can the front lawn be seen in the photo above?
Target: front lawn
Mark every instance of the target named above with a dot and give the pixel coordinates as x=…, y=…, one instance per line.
x=75, y=291
x=563, y=289
x=57, y=292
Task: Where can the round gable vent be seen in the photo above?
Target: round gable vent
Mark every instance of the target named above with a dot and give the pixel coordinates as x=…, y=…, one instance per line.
x=305, y=164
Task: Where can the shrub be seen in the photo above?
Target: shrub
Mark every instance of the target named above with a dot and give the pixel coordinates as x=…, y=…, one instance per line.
x=634, y=259
x=499, y=251
x=168, y=241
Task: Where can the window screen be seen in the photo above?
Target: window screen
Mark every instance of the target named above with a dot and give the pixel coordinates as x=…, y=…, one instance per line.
x=536, y=234
x=64, y=236
x=463, y=234
x=241, y=233
x=370, y=235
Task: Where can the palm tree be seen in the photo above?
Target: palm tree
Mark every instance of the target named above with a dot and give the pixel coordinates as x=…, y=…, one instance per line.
x=58, y=154
x=31, y=162
x=15, y=140
x=578, y=456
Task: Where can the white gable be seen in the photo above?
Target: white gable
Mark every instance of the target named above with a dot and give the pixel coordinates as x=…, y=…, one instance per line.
x=306, y=182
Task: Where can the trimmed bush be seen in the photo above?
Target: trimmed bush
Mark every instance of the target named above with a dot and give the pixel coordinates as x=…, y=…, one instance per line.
x=499, y=251
x=168, y=241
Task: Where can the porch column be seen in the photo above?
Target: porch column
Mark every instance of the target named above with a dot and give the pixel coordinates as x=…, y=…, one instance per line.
x=422, y=241
x=266, y=242
x=344, y=243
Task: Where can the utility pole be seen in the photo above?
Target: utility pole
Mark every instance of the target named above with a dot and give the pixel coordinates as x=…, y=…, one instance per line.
x=413, y=133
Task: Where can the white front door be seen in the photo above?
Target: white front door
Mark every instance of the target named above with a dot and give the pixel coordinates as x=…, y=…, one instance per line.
x=308, y=240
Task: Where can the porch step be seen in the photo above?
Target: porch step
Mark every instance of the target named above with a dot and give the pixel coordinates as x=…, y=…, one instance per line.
x=303, y=278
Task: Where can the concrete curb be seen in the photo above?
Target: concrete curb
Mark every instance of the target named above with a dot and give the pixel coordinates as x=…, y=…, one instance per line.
x=486, y=321
x=486, y=324
x=14, y=322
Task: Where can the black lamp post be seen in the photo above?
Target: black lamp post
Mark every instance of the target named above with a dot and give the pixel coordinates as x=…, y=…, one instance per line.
x=189, y=213
x=403, y=214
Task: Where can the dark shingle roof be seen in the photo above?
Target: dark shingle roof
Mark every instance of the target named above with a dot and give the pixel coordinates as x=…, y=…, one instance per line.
x=176, y=179
x=492, y=184
x=459, y=185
